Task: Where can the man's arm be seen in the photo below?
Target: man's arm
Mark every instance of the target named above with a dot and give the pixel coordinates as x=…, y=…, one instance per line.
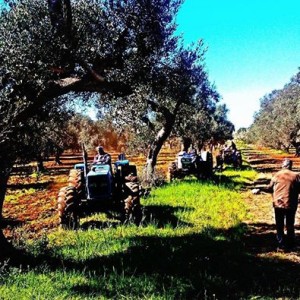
x=107, y=158
x=266, y=189
x=269, y=187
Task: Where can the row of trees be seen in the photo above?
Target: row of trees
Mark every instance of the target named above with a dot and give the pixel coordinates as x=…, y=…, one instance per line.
x=82, y=129
x=126, y=51
x=277, y=123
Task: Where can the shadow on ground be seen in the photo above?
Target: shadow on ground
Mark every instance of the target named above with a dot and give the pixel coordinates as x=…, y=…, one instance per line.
x=27, y=186
x=159, y=215
x=213, y=262
x=10, y=222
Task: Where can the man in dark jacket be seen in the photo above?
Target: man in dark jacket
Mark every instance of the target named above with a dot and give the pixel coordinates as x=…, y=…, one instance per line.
x=285, y=185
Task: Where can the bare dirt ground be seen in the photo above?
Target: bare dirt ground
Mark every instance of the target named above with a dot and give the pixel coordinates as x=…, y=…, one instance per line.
x=260, y=239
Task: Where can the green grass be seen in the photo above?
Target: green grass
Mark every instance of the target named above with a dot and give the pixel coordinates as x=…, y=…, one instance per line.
x=238, y=178
x=190, y=246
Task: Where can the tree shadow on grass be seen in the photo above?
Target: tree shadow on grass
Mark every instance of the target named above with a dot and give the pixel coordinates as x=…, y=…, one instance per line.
x=211, y=262
x=163, y=215
x=97, y=225
x=158, y=215
x=204, y=263
x=207, y=263
x=260, y=238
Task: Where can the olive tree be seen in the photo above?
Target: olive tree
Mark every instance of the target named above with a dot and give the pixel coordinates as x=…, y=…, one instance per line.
x=178, y=89
x=205, y=126
x=277, y=123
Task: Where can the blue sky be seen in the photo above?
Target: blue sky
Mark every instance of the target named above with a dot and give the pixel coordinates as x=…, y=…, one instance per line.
x=253, y=47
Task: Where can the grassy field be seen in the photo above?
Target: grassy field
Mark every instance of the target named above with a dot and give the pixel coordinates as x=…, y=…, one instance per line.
x=190, y=245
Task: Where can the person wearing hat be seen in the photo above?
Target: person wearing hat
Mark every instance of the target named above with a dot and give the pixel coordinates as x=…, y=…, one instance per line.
x=285, y=185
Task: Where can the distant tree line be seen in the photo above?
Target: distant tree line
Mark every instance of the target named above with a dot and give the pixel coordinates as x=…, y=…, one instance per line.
x=277, y=123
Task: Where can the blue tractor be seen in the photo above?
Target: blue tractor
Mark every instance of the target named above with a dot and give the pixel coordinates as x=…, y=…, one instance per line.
x=229, y=157
x=99, y=187
x=186, y=164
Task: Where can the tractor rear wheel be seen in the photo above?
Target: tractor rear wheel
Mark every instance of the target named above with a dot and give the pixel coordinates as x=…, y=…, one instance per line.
x=67, y=206
x=132, y=205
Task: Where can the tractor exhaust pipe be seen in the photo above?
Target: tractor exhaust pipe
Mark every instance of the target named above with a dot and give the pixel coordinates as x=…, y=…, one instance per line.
x=85, y=169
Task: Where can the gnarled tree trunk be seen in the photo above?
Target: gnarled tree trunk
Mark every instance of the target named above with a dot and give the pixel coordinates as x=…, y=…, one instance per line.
x=155, y=148
x=5, y=169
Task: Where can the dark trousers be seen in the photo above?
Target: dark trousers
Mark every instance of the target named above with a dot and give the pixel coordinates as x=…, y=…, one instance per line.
x=285, y=217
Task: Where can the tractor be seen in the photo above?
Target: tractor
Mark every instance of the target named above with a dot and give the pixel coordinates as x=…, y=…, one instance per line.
x=191, y=164
x=99, y=187
x=230, y=157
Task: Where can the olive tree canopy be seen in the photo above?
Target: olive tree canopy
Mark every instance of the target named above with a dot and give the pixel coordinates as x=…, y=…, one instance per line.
x=277, y=123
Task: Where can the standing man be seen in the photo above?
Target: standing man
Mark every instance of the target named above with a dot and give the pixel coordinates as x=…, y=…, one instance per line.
x=285, y=185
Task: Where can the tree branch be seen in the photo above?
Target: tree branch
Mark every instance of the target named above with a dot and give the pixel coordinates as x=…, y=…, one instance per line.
x=100, y=84
x=158, y=108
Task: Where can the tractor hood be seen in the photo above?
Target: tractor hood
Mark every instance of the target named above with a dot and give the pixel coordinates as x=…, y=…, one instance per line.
x=99, y=183
x=99, y=170
x=79, y=166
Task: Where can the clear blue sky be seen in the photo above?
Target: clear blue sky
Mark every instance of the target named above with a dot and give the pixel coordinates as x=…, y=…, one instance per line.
x=253, y=47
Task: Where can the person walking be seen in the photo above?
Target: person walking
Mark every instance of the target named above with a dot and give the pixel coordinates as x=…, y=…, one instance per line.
x=285, y=186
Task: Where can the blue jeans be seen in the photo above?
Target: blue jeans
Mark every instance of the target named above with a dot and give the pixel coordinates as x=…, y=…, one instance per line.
x=285, y=217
